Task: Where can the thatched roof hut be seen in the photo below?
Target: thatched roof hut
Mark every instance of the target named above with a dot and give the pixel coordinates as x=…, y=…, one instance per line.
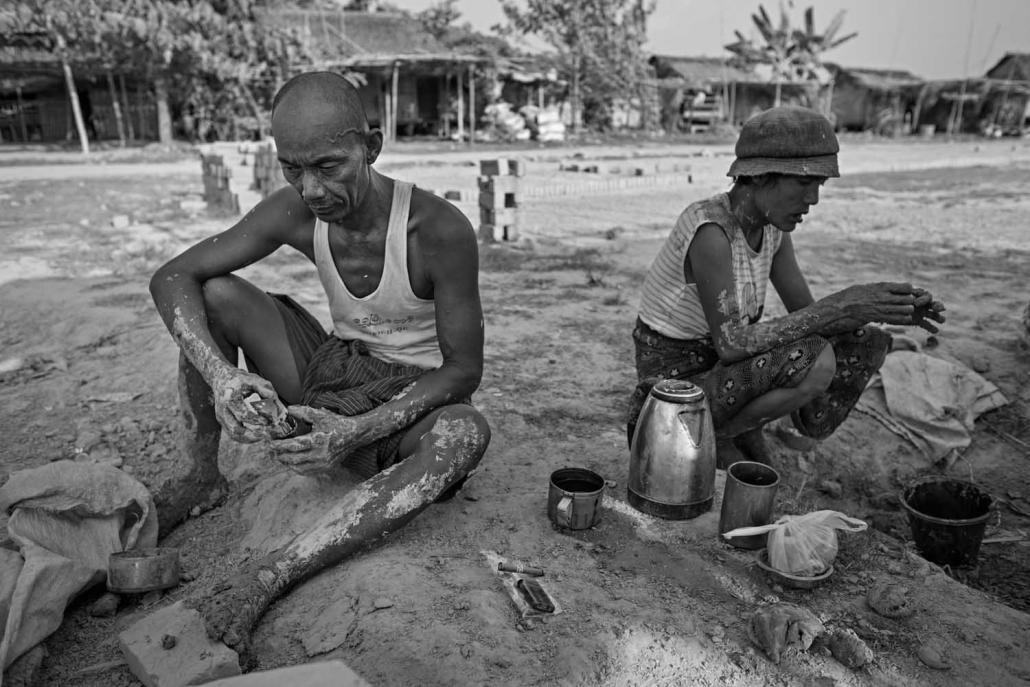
x=986, y=106
x=872, y=99
x=413, y=83
x=1015, y=66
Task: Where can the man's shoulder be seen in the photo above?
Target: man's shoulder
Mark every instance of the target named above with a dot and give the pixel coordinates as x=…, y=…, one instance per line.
x=437, y=219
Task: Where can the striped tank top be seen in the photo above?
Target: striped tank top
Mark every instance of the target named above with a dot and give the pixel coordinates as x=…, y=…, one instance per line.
x=671, y=306
x=396, y=325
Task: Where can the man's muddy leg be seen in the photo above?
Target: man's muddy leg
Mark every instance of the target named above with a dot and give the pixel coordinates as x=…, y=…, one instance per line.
x=203, y=487
x=740, y=438
x=239, y=316
x=440, y=450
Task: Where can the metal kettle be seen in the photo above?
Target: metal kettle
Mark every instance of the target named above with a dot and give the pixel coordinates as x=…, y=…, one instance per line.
x=672, y=456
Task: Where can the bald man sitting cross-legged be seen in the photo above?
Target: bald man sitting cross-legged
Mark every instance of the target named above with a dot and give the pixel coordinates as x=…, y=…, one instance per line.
x=385, y=393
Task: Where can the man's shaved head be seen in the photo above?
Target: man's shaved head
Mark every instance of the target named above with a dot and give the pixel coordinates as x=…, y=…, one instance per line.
x=323, y=98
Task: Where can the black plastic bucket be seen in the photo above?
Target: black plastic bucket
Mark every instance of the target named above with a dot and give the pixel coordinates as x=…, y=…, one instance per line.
x=947, y=518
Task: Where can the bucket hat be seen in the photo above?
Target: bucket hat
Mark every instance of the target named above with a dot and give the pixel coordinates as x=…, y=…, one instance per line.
x=786, y=140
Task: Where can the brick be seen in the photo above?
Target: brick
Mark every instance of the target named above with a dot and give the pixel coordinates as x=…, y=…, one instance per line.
x=194, y=660
x=497, y=233
x=502, y=217
x=497, y=201
x=500, y=184
x=320, y=674
x=502, y=167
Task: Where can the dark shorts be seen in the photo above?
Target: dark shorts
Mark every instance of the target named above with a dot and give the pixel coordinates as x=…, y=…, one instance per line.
x=729, y=388
x=343, y=377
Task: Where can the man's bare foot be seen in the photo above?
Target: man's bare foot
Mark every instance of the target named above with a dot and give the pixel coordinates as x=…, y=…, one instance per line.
x=752, y=444
x=196, y=492
x=232, y=608
x=727, y=453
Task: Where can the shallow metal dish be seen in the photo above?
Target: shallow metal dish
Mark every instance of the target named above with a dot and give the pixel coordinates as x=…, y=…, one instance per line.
x=143, y=570
x=787, y=579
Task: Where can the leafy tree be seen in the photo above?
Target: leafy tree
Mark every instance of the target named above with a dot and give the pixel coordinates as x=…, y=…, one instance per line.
x=599, y=43
x=215, y=55
x=793, y=54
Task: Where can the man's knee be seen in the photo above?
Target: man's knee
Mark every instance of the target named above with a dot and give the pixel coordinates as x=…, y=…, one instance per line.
x=221, y=298
x=820, y=374
x=462, y=431
x=469, y=421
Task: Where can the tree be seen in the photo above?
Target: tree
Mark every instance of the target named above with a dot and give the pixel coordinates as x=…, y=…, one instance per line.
x=56, y=19
x=599, y=42
x=794, y=55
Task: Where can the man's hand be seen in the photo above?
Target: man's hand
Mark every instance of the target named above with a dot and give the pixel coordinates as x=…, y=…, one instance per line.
x=232, y=387
x=926, y=309
x=889, y=303
x=331, y=438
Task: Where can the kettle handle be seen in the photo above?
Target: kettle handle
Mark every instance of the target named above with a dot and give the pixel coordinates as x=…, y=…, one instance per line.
x=695, y=443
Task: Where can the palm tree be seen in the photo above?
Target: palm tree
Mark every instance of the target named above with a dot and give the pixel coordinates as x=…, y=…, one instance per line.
x=793, y=54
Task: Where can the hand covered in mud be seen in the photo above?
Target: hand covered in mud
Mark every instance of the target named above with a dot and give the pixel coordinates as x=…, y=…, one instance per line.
x=244, y=419
x=887, y=302
x=925, y=310
x=330, y=438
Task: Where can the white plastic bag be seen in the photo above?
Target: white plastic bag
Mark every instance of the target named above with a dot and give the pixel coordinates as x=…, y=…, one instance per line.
x=803, y=544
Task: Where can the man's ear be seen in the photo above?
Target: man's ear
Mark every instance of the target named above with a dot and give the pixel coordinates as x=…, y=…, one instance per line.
x=373, y=145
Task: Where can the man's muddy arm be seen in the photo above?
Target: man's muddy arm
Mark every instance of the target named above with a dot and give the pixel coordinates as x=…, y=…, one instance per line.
x=177, y=288
x=710, y=262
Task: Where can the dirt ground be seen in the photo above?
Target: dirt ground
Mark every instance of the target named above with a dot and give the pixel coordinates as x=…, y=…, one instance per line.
x=645, y=602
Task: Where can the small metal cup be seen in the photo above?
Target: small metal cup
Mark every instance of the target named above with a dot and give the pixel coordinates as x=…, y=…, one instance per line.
x=574, y=498
x=748, y=501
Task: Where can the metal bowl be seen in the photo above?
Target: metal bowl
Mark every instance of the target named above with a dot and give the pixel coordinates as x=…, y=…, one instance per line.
x=142, y=570
x=789, y=579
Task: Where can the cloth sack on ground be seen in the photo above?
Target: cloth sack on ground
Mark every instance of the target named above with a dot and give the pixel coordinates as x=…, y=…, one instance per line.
x=66, y=519
x=929, y=402
x=803, y=545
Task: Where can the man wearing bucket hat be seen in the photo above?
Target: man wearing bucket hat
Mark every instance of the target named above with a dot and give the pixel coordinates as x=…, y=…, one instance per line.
x=701, y=310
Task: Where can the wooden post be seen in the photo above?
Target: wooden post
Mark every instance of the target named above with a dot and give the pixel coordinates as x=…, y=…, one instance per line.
x=21, y=115
x=130, y=130
x=73, y=95
x=472, y=104
x=444, y=106
x=919, y=106
x=393, y=91
x=461, y=109
x=117, y=108
x=140, y=107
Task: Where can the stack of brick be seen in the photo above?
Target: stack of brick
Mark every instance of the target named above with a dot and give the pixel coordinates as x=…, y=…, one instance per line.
x=218, y=191
x=268, y=174
x=499, y=211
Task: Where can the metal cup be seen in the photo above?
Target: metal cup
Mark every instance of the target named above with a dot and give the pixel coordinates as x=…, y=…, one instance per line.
x=574, y=498
x=748, y=501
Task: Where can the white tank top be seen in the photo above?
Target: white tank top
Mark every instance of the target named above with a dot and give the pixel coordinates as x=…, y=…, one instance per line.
x=396, y=325
x=671, y=306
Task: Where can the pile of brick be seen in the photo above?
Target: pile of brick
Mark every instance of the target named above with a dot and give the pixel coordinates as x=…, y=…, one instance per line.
x=230, y=184
x=499, y=188
x=218, y=190
x=268, y=174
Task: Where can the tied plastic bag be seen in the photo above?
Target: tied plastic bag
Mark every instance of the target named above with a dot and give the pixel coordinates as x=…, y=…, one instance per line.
x=804, y=545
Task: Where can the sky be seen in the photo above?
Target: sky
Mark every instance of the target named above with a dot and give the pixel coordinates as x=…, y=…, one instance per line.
x=934, y=39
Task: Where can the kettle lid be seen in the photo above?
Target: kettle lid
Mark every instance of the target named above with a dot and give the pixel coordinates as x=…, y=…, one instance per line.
x=677, y=391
